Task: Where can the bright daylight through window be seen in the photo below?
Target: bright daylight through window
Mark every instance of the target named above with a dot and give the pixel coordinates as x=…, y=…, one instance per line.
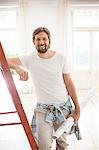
x=8, y=30
x=85, y=25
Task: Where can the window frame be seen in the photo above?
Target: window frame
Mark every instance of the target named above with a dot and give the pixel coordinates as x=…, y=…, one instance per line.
x=9, y=8
x=91, y=30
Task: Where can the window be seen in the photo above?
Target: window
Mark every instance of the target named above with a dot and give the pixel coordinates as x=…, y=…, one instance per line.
x=8, y=30
x=85, y=25
x=81, y=49
x=96, y=50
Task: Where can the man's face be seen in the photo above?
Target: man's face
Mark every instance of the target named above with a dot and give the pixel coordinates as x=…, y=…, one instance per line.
x=41, y=42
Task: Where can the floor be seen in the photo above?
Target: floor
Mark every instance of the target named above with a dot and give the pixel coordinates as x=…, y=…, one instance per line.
x=14, y=138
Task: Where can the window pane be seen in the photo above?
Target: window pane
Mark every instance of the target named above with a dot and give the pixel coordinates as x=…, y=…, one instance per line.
x=8, y=31
x=9, y=41
x=81, y=50
x=86, y=17
x=96, y=51
x=7, y=19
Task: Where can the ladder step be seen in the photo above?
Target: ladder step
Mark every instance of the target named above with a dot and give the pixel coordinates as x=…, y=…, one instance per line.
x=9, y=112
x=13, y=123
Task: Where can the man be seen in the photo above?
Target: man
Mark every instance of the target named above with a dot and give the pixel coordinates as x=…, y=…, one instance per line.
x=53, y=86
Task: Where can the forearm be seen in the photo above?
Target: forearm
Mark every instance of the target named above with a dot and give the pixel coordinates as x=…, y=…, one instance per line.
x=71, y=90
x=14, y=63
x=73, y=94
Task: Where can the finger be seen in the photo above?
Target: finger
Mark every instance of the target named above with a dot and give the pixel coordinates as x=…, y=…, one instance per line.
x=24, y=76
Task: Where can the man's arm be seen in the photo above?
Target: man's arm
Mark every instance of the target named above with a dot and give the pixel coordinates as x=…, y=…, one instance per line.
x=13, y=62
x=72, y=92
x=16, y=64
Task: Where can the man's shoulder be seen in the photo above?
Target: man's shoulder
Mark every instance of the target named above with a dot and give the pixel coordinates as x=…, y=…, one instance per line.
x=27, y=55
x=60, y=55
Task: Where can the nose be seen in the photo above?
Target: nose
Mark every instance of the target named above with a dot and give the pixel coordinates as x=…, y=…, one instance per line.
x=41, y=42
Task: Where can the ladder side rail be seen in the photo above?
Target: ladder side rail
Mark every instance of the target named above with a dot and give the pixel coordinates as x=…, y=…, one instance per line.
x=16, y=99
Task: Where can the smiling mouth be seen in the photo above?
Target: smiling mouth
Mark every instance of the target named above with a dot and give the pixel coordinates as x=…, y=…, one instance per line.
x=42, y=47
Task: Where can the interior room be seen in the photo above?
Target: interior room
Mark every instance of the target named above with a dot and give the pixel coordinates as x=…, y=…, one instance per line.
x=74, y=27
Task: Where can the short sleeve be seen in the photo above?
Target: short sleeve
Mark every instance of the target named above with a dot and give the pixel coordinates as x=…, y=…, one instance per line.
x=26, y=59
x=65, y=66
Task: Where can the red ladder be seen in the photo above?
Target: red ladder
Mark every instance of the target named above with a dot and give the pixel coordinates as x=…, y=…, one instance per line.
x=16, y=100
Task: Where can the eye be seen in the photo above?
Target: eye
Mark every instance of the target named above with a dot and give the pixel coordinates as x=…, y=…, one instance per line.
x=38, y=39
x=44, y=39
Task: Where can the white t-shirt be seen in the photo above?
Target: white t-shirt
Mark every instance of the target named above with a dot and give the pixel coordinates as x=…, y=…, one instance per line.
x=47, y=77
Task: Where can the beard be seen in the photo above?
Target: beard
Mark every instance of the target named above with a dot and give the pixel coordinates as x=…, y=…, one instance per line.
x=42, y=48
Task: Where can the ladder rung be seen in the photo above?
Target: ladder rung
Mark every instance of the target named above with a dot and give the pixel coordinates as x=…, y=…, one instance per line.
x=9, y=112
x=13, y=123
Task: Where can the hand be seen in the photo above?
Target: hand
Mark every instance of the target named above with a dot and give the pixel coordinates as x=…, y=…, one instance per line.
x=76, y=115
x=23, y=73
